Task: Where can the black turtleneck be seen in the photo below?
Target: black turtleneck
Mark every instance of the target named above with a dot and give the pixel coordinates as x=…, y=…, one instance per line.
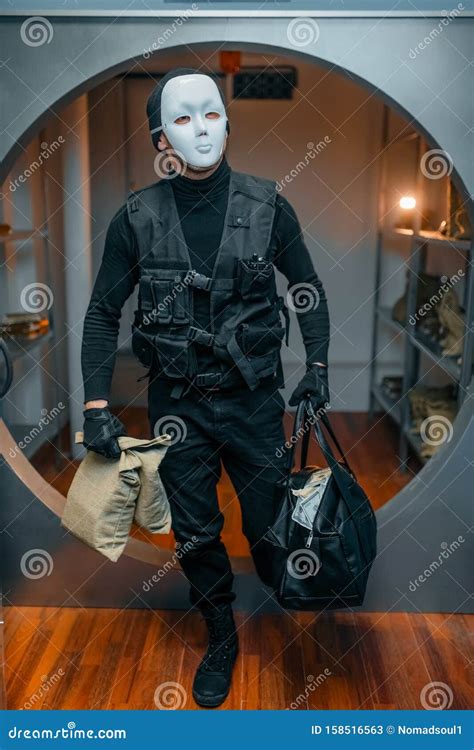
x=201, y=207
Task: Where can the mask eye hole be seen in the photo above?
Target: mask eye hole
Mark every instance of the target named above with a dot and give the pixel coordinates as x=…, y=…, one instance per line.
x=183, y=120
x=212, y=115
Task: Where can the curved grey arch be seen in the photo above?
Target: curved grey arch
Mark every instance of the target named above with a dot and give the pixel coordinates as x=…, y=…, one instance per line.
x=435, y=508
x=83, y=51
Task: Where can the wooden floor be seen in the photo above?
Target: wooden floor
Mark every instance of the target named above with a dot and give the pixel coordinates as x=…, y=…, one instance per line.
x=142, y=659
x=98, y=659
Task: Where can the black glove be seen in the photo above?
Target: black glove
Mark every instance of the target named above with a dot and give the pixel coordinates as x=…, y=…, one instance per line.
x=101, y=430
x=314, y=385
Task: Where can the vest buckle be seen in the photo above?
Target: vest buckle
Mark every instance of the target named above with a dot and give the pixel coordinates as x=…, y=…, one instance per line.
x=199, y=281
x=200, y=336
x=208, y=379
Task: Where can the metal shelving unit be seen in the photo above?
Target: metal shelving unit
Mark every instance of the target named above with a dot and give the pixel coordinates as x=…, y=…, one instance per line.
x=414, y=342
x=34, y=349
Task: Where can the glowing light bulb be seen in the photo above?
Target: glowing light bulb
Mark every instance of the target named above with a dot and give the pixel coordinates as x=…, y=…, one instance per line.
x=407, y=202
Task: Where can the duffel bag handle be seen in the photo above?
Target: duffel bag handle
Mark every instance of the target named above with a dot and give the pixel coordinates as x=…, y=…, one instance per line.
x=305, y=408
x=320, y=437
x=297, y=424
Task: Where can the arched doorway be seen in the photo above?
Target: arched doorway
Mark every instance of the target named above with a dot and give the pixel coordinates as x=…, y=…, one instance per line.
x=333, y=48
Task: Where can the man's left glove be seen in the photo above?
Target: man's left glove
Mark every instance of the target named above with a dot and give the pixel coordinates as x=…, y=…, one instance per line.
x=314, y=385
x=101, y=430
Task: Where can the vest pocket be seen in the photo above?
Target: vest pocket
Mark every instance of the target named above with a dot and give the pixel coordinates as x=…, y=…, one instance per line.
x=165, y=301
x=176, y=357
x=142, y=347
x=260, y=339
x=256, y=279
x=181, y=304
x=264, y=365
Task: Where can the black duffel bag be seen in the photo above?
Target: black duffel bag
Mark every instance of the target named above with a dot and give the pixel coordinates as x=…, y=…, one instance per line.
x=325, y=543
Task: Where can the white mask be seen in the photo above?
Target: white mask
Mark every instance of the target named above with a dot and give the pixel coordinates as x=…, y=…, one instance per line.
x=193, y=118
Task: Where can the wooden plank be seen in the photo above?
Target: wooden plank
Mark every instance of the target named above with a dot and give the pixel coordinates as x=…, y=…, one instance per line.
x=113, y=658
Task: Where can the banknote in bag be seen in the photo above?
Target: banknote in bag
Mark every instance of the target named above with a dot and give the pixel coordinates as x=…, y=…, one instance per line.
x=309, y=498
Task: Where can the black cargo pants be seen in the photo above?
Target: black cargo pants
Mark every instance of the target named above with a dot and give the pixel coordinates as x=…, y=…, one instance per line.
x=241, y=430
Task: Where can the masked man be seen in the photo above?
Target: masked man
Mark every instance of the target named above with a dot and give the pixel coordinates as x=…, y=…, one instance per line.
x=202, y=247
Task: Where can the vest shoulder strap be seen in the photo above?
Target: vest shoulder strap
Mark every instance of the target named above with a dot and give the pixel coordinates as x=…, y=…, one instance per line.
x=146, y=196
x=142, y=205
x=259, y=188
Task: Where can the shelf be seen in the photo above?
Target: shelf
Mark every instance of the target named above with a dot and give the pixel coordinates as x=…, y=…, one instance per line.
x=21, y=348
x=23, y=234
x=433, y=350
x=416, y=444
x=400, y=231
x=385, y=313
x=391, y=406
x=427, y=346
x=434, y=238
x=421, y=244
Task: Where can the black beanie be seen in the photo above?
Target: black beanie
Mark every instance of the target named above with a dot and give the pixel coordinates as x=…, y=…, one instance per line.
x=153, y=106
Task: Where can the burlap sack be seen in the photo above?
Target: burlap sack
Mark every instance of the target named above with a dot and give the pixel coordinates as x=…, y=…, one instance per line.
x=106, y=495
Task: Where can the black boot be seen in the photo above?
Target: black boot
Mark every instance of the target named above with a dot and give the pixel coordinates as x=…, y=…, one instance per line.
x=214, y=674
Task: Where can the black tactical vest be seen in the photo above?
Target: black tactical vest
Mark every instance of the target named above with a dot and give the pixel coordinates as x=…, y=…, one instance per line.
x=245, y=309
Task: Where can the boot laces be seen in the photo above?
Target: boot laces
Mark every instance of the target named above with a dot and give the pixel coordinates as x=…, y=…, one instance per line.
x=217, y=655
x=221, y=638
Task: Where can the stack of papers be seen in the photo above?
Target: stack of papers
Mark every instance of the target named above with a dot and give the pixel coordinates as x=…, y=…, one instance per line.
x=309, y=498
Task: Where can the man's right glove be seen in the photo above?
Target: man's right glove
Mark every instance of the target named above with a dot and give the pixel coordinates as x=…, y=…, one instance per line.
x=101, y=430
